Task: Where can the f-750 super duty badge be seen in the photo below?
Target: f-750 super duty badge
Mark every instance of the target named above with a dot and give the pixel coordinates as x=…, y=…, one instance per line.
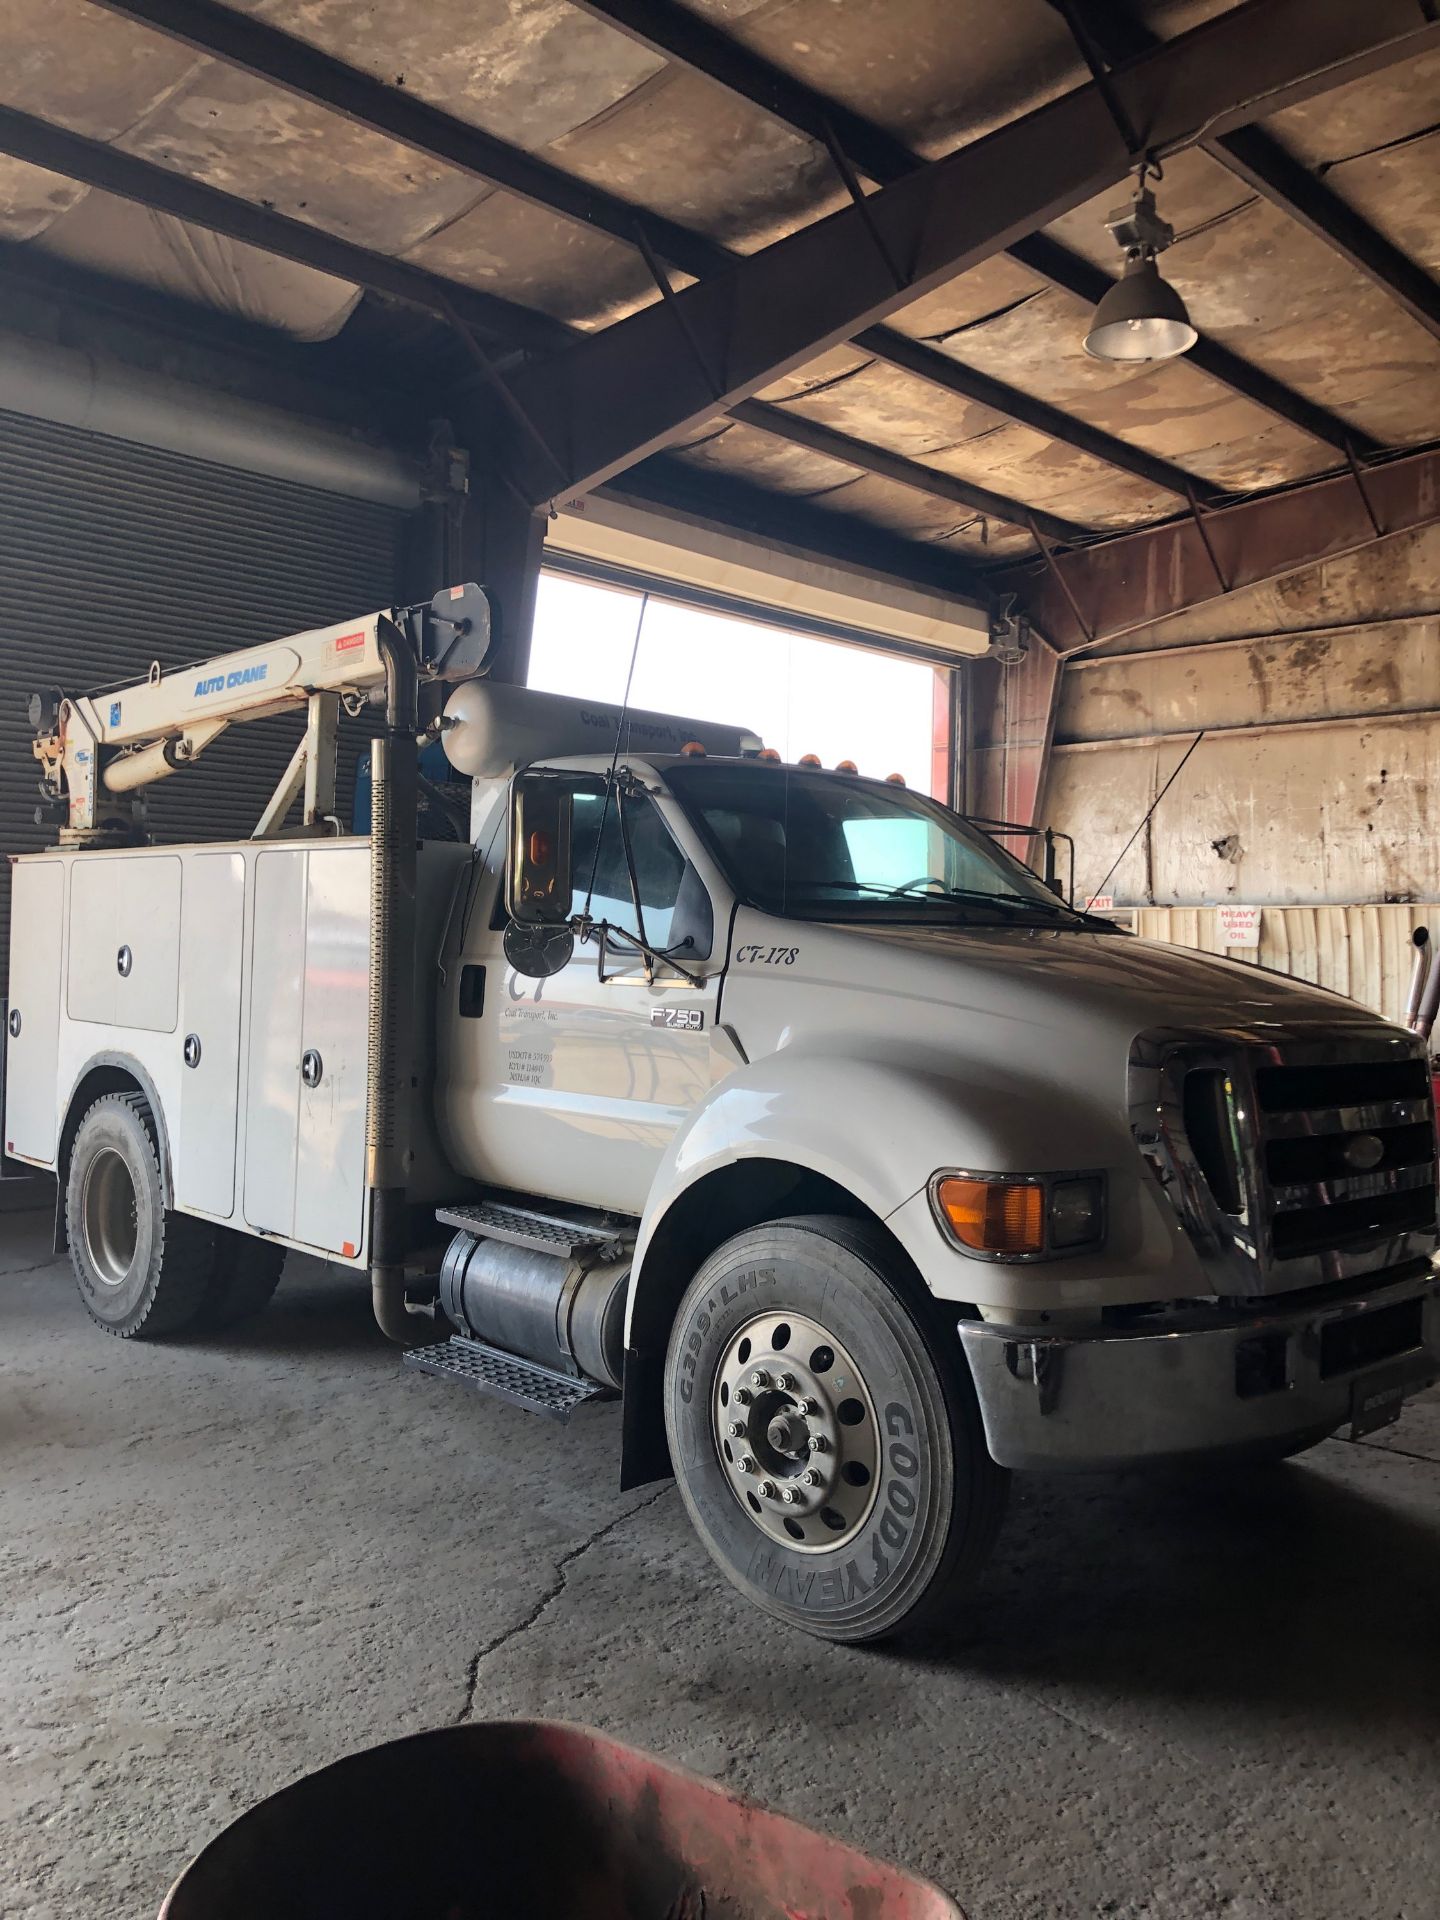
x=766, y=956
x=680, y=1019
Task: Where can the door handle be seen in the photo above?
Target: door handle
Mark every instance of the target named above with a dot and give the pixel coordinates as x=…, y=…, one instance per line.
x=192, y=1050
x=124, y=960
x=312, y=1067
x=14, y=1023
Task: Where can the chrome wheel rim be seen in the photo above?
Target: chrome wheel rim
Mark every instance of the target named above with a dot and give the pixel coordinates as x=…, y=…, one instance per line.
x=795, y=1432
x=111, y=1217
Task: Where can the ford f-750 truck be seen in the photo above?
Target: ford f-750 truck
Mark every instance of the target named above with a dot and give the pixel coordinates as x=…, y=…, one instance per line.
x=783, y=1102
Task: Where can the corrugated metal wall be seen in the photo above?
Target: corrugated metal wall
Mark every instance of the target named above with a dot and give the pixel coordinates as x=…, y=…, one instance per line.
x=1365, y=952
x=1318, y=779
x=113, y=555
x=1314, y=794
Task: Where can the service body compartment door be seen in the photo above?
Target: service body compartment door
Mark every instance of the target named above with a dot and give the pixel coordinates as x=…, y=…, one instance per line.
x=330, y=1164
x=277, y=996
x=124, y=967
x=212, y=940
x=37, y=923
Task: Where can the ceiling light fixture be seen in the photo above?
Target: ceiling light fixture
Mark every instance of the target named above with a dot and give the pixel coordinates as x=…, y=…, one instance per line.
x=1142, y=317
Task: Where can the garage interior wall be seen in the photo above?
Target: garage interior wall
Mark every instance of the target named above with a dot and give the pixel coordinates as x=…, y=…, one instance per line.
x=116, y=554
x=1314, y=791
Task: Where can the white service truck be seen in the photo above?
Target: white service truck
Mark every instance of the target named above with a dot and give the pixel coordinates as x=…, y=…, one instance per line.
x=784, y=1102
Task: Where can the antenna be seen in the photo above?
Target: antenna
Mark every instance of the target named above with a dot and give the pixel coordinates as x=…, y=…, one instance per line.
x=615, y=756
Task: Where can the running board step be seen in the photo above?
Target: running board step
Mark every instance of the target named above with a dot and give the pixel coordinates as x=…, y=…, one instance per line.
x=542, y=1232
x=491, y=1370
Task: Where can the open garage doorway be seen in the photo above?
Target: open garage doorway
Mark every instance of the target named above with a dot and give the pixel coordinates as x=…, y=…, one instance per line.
x=800, y=693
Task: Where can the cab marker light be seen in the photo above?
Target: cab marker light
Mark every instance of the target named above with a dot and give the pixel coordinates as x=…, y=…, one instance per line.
x=846, y=766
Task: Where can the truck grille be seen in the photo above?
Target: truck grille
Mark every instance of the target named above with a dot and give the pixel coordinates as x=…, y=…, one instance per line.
x=1346, y=1152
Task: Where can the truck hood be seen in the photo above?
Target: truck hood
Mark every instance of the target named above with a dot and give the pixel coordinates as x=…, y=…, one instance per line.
x=1050, y=977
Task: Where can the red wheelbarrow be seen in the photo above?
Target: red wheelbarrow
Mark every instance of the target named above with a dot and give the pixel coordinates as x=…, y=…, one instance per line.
x=530, y=1820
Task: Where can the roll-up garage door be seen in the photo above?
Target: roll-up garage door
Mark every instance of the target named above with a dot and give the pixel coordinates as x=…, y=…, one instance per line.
x=113, y=555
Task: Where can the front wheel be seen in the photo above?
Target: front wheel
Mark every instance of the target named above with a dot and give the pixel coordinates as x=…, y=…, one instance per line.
x=829, y=1455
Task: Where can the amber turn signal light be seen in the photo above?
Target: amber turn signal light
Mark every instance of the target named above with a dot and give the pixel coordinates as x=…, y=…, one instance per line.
x=993, y=1216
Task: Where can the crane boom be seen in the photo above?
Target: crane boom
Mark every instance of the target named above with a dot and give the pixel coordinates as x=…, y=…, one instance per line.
x=97, y=749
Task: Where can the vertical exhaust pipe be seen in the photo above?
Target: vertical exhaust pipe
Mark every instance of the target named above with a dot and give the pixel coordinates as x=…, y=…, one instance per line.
x=394, y=774
x=1420, y=938
x=1427, y=1005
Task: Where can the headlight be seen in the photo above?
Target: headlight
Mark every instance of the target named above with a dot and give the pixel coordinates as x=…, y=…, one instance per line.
x=1011, y=1216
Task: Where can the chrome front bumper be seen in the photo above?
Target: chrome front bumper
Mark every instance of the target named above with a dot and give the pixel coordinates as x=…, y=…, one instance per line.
x=1206, y=1382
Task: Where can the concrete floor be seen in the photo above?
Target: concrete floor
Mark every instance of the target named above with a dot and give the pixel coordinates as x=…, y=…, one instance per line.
x=225, y=1565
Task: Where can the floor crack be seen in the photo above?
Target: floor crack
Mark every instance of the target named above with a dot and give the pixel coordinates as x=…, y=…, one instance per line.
x=546, y=1600
x=1399, y=1453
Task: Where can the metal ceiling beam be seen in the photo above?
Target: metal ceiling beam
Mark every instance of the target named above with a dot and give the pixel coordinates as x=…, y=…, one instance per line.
x=801, y=527
x=1262, y=163
x=677, y=34
x=283, y=60
x=1066, y=429
x=109, y=170
x=1108, y=30
x=1082, y=599
x=860, y=454
x=1073, y=274
x=632, y=388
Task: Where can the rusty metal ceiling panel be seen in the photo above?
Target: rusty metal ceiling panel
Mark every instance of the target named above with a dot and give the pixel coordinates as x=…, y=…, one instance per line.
x=1172, y=410
x=744, y=169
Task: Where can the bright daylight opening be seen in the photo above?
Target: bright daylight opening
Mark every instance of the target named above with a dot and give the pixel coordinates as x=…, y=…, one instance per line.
x=800, y=694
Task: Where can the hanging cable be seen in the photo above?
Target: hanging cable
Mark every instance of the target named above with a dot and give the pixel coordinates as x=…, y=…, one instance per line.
x=1145, y=822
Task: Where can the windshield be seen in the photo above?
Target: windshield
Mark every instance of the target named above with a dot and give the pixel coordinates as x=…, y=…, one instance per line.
x=826, y=847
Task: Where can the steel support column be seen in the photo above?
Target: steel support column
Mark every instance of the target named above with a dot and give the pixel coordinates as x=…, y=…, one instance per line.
x=1009, y=728
x=498, y=542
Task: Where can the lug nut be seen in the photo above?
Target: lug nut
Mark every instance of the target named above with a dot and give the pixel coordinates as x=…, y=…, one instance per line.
x=736, y=1430
x=810, y=1406
x=818, y=1443
x=791, y=1496
x=746, y=1463
x=759, y=1378
x=812, y=1478
x=766, y=1489
x=786, y=1381
x=743, y=1396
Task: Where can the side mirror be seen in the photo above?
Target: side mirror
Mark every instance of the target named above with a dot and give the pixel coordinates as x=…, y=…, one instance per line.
x=541, y=809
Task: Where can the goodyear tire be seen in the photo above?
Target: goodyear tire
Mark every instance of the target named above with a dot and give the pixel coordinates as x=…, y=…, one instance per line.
x=829, y=1456
x=244, y=1276
x=142, y=1270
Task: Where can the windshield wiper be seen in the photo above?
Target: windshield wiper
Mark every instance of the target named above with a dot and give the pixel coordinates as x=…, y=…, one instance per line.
x=933, y=891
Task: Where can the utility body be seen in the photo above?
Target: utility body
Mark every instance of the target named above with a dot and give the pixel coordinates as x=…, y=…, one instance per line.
x=786, y=1103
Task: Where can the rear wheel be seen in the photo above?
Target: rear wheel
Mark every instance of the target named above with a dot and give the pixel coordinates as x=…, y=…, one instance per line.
x=830, y=1457
x=245, y=1274
x=142, y=1270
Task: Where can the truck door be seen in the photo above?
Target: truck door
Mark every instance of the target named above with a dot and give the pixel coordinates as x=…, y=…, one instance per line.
x=32, y=1037
x=586, y=1080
